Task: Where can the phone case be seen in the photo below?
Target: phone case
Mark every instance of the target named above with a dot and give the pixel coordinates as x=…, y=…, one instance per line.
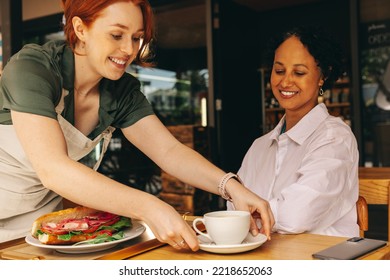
x=350, y=249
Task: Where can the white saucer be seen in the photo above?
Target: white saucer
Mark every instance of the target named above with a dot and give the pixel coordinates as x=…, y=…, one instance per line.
x=250, y=242
x=136, y=230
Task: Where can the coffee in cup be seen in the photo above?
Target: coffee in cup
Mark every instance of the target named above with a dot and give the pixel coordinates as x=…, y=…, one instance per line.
x=225, y=227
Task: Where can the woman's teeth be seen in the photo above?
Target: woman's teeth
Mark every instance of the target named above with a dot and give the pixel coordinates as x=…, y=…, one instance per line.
x=288, y=93
x=118, y=61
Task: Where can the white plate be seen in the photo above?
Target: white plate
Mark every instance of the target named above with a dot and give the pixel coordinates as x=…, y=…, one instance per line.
x=136, y=230
x=250, y=242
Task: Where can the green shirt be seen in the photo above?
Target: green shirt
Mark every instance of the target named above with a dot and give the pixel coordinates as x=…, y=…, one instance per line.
x=33, y=79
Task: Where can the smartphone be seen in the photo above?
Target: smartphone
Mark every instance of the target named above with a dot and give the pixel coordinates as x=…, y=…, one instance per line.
x=350, y=249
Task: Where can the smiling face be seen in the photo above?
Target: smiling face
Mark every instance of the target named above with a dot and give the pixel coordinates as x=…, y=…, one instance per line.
x=295, y=78
x=112, y=42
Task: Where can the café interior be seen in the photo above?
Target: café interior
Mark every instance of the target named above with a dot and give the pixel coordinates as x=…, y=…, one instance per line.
x=211, y=89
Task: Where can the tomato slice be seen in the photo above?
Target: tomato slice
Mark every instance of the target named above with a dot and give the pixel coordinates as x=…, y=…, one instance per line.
x=100, y=232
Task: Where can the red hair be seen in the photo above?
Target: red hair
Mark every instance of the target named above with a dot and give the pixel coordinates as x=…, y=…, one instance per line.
x=89, y=10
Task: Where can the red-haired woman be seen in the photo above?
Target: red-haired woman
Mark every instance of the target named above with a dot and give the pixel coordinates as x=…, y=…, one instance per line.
x=60, y=99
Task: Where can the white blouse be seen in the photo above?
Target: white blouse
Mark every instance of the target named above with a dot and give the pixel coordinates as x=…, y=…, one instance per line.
x=308, y=174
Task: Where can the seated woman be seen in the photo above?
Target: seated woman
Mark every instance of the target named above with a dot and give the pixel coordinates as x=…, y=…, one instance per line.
x=307, y=167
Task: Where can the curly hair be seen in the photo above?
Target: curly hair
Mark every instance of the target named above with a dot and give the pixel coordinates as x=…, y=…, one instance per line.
x=327, y=51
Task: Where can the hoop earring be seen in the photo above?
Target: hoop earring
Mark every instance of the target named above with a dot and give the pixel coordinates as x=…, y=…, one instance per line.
x=321, y=91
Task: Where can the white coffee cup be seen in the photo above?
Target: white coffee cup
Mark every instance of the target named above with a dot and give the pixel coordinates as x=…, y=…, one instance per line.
x=225, y=227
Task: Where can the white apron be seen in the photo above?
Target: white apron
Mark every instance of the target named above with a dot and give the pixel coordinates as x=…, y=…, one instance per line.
x=23, y=198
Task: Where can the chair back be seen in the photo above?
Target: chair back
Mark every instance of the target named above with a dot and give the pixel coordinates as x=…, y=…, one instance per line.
x=362, y=215
x=374, y=186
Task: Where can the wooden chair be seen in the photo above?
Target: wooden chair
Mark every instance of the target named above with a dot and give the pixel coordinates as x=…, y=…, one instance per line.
x=374, y=172
x=372, y=191
x=362, y=215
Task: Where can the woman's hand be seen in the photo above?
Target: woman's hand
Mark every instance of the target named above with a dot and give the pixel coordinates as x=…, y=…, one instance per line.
x=244, y=199
x=169, y=227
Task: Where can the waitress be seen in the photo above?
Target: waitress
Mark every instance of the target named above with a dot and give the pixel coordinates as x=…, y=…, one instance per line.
x=59, y=100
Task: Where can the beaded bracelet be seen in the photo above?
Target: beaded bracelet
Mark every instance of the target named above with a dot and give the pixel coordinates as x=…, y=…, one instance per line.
x=222, y=185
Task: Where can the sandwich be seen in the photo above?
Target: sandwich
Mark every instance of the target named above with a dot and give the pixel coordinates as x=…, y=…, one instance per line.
x=79, y=224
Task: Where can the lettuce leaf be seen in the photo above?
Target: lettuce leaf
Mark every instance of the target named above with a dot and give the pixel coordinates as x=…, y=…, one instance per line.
x=122, y=223
x=105, y=238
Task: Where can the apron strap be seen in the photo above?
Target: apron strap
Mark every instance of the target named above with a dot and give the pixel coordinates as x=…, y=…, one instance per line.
x=107, y=134
x=78, y=144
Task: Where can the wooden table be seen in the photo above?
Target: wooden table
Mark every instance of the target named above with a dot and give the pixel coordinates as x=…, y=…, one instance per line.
x=281, y=247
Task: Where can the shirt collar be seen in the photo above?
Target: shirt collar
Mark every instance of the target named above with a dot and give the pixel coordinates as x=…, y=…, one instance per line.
x=305, y=127
x=68, y=68
x=277, y=130
x=107, y=102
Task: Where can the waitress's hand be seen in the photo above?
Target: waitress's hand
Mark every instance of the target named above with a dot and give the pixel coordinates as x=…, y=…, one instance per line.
x=246, y=200
x=169, y=227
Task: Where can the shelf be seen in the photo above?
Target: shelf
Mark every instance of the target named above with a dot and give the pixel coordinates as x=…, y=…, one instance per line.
x=278, y=109
x=345, y=82
x=337, y=105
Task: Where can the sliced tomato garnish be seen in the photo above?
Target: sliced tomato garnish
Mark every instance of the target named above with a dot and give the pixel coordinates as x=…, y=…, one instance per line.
x=100, y=232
